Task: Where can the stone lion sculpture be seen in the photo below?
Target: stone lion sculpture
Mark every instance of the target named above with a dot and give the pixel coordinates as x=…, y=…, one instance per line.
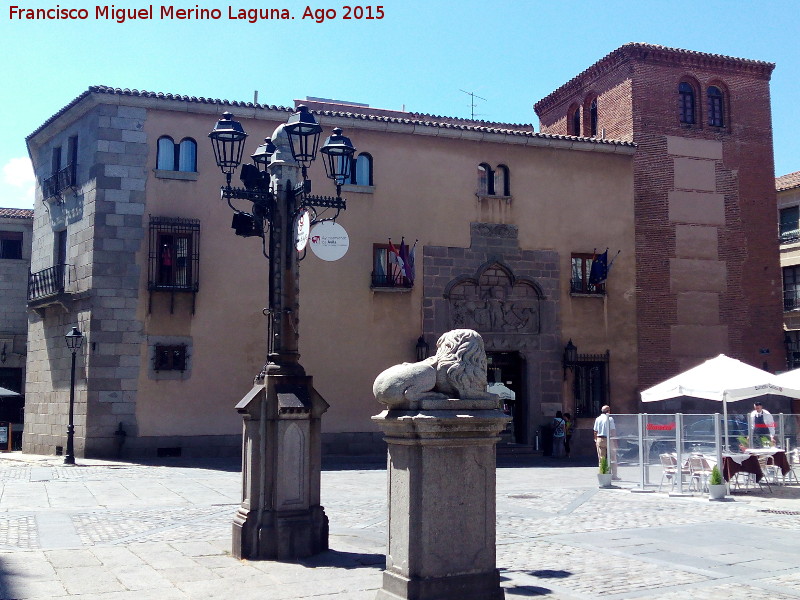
x=457, y=371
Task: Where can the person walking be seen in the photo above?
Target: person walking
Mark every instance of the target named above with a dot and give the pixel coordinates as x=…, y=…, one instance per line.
x=567, y=433
x=604, y=431
x=559, y=433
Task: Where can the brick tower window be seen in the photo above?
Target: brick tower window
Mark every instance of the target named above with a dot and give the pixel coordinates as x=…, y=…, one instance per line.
x=575, y=121
x=716, y=106
x=593, y=118
x=686, y=103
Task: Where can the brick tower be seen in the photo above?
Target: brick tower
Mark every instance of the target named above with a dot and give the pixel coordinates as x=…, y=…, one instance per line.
x=707, y=269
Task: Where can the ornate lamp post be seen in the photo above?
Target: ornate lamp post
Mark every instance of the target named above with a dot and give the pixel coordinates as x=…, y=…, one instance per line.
x=280, y=516
x=74, y=340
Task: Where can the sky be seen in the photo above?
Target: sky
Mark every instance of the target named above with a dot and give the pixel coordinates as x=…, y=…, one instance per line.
x=424, y=56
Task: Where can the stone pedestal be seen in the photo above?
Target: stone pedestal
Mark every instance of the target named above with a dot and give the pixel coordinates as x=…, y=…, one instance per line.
x=280, y=517
x=441, y=471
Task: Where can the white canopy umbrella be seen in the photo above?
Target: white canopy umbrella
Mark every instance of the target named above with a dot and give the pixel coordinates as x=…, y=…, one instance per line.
x=723, y=379
x=5, y=392
x=790, y=379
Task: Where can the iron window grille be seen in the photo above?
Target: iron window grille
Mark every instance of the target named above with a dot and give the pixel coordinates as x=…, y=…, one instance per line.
x=591, y=384
x=169, y=358
x=174, y=256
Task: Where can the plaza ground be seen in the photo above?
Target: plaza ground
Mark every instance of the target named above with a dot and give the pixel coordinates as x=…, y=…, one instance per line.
x=121, y=531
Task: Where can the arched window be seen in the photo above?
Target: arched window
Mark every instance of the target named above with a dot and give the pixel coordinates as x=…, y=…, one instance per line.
x=485, y=180
x=593, y=118
x=716, y=107
x=187, y=155
x=502, y=184
x=165, y=156
x=686, y=103
x=361, y=174
x=176, y=157
x=575, y=121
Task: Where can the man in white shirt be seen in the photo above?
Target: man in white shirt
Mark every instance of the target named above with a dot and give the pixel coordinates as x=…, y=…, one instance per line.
x=604, y=431
x=761, y=425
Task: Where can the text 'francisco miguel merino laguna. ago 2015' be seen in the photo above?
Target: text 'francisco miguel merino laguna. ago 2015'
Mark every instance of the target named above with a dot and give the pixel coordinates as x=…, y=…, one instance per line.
x=169, y=12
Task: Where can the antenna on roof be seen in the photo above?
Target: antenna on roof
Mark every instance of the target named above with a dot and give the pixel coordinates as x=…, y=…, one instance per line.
x=472, y=96
x=255, y=97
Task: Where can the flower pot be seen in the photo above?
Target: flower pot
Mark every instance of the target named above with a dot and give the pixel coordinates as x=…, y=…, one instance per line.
x=604, y=479
x=717, y=492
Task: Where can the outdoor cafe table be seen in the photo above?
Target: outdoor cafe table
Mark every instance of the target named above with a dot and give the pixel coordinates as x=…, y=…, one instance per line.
x=740, y=463
x=778, y=457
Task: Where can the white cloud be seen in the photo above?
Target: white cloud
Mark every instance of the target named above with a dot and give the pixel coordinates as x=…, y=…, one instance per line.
x=17, y=183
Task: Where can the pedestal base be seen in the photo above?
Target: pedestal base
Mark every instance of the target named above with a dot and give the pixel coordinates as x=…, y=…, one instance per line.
x=481, y=586
x=280, y=536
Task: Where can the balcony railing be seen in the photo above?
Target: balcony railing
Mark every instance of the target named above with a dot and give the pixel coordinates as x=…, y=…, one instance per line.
x=579, y=286
x=382, y=280
x=58, y=182
x=791, y=300
x=48, y=282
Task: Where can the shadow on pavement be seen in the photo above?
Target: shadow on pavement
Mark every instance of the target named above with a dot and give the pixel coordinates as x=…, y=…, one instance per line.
x=346, y=560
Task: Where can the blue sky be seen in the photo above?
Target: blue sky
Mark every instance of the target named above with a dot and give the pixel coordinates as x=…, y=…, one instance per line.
x=419, y=56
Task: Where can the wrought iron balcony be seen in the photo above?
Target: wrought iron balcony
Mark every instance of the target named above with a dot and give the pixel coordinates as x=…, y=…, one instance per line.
x=48, y=283
x=382, y=280
x=790, y=236
x=58, y=182
x=580, y=286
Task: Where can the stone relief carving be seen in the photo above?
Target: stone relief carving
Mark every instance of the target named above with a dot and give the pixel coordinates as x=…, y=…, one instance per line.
x=495, y=230
x=495, y=304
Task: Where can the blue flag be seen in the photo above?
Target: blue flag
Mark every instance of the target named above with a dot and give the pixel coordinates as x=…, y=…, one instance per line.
x=599, y=272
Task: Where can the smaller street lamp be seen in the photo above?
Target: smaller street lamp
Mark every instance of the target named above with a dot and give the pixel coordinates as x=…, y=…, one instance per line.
x=74, y=340
x=570, y=357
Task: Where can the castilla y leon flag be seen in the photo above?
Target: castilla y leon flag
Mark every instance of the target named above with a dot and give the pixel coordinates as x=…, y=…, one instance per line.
x=394, y=259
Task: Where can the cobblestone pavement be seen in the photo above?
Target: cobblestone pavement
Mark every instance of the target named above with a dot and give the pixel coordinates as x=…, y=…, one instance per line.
x=114, y=531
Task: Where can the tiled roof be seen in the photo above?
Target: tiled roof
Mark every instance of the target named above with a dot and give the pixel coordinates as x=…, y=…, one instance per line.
x=654, y=50
x=416, y=119
x=787, y=182
x=16, y=213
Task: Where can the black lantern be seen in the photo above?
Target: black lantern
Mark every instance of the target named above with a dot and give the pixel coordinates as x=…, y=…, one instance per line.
x=422, y=348
x=228, y=138
x=74, y=340
x=303, y=131
x=570, y=357
x=263, y=153
x=338, y=151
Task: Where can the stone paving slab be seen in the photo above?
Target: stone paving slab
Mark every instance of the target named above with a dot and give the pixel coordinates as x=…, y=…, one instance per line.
x=163, y=532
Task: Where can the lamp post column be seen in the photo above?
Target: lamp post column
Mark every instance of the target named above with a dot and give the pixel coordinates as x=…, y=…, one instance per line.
x=69, y=457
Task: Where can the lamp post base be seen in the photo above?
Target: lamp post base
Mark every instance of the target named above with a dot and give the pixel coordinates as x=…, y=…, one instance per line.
x=280, y=517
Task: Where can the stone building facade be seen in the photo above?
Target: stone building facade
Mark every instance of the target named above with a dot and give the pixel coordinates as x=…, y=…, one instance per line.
x=170, y=300
x=788, y=191
x=15, y=259
x=706, y=252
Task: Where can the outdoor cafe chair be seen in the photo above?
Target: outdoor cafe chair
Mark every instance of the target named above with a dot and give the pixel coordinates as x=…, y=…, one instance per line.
x=700, y=472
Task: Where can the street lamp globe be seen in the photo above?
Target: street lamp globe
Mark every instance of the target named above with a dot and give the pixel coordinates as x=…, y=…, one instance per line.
x=228, y=138
x=303, y=131
x=74, y=339
x=338, y=151
x=263, y=153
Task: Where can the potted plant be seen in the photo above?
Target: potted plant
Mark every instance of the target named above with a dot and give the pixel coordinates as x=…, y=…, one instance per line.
x=717, y=489
x=743, y=443
x=604, y=474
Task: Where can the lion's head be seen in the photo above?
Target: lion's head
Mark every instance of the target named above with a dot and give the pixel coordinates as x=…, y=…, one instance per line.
x=460, y=364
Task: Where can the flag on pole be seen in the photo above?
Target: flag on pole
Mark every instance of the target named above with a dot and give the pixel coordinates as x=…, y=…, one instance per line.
x=395, y=261
x=599, y=272
x=404, y=256
x=411, y=272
